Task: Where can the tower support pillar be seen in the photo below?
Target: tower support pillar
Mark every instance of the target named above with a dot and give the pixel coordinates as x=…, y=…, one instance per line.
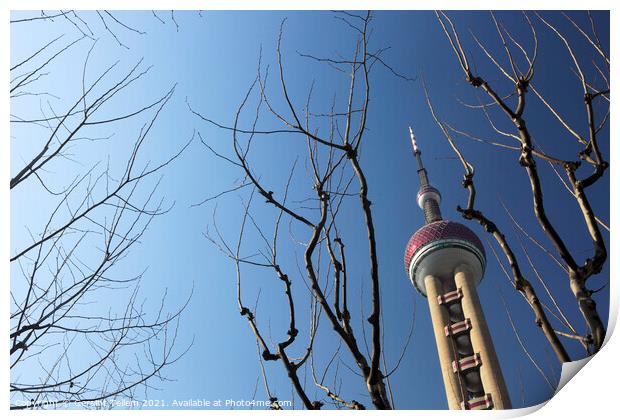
x=455, y=390
x=490, y=371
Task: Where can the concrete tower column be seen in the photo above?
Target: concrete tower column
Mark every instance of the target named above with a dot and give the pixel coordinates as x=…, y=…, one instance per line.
x=454, y=388
x=490, y=371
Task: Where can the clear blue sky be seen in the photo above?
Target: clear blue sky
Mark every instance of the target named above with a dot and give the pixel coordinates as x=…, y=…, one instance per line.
x=213, y=60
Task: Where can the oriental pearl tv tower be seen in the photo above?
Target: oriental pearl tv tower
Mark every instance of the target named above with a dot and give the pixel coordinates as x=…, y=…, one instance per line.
x=445, y=262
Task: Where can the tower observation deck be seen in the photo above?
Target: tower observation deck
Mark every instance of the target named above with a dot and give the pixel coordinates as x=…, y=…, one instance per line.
x=445, y=262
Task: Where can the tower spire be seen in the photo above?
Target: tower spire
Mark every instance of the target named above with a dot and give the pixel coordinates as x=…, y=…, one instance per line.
x=428, y=197
x=422, y=174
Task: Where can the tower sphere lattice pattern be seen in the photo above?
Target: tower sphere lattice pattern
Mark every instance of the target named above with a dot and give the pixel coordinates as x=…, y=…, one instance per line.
x=440, y=230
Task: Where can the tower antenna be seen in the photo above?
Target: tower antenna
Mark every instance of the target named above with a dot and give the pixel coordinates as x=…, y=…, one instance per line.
x=413, y=142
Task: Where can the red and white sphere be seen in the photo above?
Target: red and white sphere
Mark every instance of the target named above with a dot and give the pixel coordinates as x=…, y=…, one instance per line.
x=428, y=192
x=439, y=248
